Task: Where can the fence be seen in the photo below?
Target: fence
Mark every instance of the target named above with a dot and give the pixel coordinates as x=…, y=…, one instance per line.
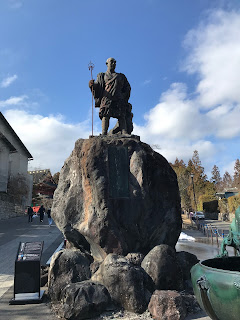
x=212, y=232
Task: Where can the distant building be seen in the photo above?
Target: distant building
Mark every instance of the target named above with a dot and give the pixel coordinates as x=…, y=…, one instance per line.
x=43, y=185
x=226, y=193
x=14, y=157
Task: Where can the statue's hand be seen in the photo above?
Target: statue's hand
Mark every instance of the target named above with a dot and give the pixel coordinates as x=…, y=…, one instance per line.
x=91, y=83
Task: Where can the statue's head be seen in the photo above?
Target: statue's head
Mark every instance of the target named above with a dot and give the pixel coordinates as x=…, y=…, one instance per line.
x=111, y=64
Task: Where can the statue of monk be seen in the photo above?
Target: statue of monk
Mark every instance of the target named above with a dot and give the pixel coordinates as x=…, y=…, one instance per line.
x=111, y=92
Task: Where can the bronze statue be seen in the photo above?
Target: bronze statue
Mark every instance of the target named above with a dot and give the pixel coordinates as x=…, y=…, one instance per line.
x=111, y=92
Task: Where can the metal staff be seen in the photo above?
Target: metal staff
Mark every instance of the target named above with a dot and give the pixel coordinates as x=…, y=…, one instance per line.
x=91, y=67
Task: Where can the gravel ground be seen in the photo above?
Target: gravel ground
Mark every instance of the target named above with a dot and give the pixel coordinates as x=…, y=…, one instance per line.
x=123, y=315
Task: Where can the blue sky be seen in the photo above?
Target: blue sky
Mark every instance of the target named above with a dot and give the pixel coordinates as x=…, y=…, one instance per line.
x=182, y=59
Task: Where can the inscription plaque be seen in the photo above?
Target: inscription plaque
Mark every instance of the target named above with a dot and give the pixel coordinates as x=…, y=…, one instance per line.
x=118, y=166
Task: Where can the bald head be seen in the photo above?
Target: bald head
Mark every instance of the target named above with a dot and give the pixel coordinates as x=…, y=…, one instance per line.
x=110, y=59
x=111, y=64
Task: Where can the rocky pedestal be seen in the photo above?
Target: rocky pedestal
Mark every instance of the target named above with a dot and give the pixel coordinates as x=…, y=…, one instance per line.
x=116, y=195
x=118, y=205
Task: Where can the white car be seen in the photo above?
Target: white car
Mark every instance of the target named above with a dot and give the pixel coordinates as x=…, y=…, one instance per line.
x=199, y=215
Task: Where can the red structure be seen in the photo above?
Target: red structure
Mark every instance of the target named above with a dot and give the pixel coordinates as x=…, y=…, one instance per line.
x=43, y=185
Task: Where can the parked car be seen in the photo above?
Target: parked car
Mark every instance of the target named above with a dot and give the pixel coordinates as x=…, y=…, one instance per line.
x=199, y=215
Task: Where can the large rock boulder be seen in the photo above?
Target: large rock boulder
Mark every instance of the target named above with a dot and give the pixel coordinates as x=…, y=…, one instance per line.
x=186, y=260
x=167, y=305
x=67, y=266
x=117, y=195
x=129, y=285
x=162, y=266
x=83, y=300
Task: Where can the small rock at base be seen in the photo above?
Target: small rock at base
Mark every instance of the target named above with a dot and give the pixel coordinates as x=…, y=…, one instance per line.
x=167, y=305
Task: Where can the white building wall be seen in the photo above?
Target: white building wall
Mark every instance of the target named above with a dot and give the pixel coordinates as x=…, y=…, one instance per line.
x=30, y=189
x=13, y=164
x=18, y=160
x=4, y=166
x=18, y=164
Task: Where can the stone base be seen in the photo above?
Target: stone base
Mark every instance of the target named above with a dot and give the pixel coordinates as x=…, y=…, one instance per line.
x=117, y=195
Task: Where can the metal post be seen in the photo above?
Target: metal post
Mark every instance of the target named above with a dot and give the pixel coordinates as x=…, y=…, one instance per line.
x=91, y=67
x=194, y=197
x=217, y=238
x=211, y=235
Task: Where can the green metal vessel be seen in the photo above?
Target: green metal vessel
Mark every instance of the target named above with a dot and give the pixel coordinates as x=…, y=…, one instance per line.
x=216, y=285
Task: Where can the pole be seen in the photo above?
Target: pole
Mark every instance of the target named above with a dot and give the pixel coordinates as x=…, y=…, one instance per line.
x=211, y=235
x=217, y=237
x=194, y=194
x=91, y=67
x=194, y=197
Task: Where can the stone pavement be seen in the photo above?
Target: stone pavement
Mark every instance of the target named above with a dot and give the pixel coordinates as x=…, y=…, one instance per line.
x=13, y=231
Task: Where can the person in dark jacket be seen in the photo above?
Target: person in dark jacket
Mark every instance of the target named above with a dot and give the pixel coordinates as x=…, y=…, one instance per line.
x=41, y=213
x=49, y=217
x=30, y=214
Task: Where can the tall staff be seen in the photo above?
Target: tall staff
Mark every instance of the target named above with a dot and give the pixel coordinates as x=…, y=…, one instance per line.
x=91, y=67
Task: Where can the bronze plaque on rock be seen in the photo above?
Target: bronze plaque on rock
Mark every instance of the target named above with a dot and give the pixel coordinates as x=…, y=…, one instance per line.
x=118, y=166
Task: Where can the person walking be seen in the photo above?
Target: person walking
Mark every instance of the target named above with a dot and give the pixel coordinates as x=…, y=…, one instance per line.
x=49, y=217
x=41, y=213
x=30, y=213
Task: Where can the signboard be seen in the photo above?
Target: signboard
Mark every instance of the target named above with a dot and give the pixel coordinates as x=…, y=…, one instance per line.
x=118, y=165
x=27, y=273
x=30, y=251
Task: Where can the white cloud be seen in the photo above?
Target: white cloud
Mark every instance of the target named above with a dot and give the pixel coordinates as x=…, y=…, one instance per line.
x=225, y=121
x=14, y=101
x=229, y=167
x=183, y=122
x=146, y=82
x=175, y=115
x=50, y=139
x=215, y=57
x=7, y=81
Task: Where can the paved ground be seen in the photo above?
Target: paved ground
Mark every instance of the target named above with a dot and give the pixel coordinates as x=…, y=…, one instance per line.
x=14, y=230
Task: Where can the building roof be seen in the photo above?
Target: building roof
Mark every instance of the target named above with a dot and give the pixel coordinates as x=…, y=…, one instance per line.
x=235, y=189
x=30, y=157
x=42, y=177
x=226, y=193
x=7, y=143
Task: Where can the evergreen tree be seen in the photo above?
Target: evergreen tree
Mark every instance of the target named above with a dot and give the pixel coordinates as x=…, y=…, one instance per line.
x=182, y=164
x=199, y=178
x=227, y=180
x=190, y=166
x=209, y=193
x=216, y=178
x=183, y=182
x=236, y=176
x=176, y=163
x=197, y=166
